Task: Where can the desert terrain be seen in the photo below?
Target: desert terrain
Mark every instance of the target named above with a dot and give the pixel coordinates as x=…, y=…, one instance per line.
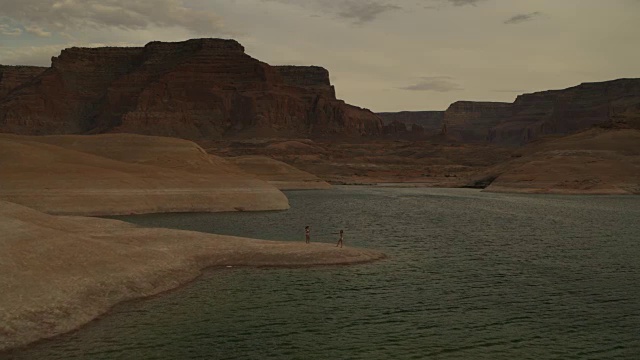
x=60, y=272
x=117, y=174
x=597, y=161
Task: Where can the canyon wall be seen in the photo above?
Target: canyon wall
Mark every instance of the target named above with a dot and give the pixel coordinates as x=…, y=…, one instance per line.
x=613, y=103
x=196, y=89
x=12, y=77
x=430, y=121
x=563, y=112
x=470, y=121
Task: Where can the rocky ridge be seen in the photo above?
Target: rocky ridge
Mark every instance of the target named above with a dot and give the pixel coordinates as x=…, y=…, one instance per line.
x=532, y=116
x=430, y=121
x=562, y=112
x=470, y=121
x=196, y=89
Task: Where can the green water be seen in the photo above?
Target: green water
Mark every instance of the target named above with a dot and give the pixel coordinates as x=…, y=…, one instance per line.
x=470, y=275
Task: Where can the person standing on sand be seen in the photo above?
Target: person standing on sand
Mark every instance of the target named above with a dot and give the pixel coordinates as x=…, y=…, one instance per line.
x=307, y=234
x=340, y=241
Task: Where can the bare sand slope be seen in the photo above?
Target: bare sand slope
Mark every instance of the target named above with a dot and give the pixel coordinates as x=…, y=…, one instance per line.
x=125, y=174
x=278, y=173
x=58, y=272
x=597, y=161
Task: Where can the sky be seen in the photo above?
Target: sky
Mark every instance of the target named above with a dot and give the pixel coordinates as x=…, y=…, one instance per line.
x=385, y=55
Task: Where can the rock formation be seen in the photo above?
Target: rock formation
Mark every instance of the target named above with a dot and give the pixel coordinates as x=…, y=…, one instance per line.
x=12, y=77
x=470, y=121
x=430, y=121
x=312, y=78
x=531, y=116
x=115, y=174
x=197, y=89
x=567, y=111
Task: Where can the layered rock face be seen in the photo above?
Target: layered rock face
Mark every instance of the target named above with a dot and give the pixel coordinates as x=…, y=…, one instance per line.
x=430, y=121
x=313, y=78
x=197, y=89
x=470, y=121
x=12, y=77
x=566, y=111
x=557, y=112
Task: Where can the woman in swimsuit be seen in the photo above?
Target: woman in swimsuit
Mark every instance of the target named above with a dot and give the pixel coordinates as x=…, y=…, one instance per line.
x=341, y=238
x=307, y=234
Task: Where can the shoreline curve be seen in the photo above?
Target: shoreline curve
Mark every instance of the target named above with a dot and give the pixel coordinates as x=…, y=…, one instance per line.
x=62, y=272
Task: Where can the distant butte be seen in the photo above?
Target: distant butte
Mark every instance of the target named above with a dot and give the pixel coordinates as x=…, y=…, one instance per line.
x=532, y=116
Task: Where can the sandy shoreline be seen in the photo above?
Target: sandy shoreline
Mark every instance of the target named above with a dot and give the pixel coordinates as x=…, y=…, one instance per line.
x=60, y=273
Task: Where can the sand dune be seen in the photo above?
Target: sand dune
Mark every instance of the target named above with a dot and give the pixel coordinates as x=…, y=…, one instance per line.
x=60, y=272
x=125, y=174
x=597, y=161
x=278, y=173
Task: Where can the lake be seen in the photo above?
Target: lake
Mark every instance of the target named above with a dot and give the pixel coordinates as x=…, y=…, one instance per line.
x=470, y=275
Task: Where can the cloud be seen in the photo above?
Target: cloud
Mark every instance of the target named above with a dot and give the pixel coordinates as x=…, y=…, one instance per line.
x=519, y=18
x=510, y=91
x=440, y=4
x=356, y=11
x=37, y=31
x=29, y=55
x=464, y=2
x=44, y=18
x=9, y=30
x=41, y=55
x=434, y=83
x=362, y=12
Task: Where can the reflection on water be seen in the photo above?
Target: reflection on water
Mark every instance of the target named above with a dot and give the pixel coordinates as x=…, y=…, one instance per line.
x=470, y=276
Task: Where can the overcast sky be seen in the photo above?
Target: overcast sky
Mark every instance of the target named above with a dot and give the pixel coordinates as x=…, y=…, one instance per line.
x=386, y=55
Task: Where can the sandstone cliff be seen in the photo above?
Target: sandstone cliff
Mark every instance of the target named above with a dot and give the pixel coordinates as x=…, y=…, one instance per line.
x=12, y=77
x=567, y=111
x=470, y=121
x=430, y=121
x=531, y=116
x=197, y=89
x=313, y=78
x=125, y=174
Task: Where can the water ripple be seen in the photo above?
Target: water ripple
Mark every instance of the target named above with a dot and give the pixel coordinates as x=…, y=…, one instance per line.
x=470, y=275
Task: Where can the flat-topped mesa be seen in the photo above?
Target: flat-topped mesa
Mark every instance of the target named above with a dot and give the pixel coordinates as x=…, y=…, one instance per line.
x=196, y=89
x=12, y=77
x=315, y=78
x=471, y=121
x=570, y=110
x=220, y=45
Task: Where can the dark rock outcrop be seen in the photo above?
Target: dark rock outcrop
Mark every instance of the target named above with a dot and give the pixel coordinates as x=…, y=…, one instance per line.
x=196, y=89
x=470, y=121
x=12, y=77
x=394, y=128
x=430, y=121
x=314, y=78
